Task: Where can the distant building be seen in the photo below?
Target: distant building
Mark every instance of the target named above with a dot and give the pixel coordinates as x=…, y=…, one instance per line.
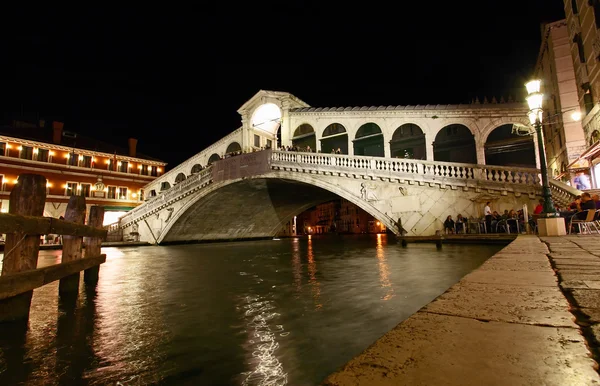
x=73, y=164
x=583, y=39
x=337, y=216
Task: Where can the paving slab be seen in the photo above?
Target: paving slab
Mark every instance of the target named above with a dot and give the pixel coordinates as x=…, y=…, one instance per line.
x=518, y=278
x=521, y=256
x=431, y=349
x=516, y=265
x=593, y=314
x=506, y=303
x=576, y=275
x=587, y=298
x=577, y=283
x=576, y=263
x=574, y=256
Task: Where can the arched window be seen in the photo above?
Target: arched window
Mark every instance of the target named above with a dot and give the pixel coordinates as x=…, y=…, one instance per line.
x=165, y=186
x=213, y=158
x=197, y=168
x=180, y=177
x=153, y=193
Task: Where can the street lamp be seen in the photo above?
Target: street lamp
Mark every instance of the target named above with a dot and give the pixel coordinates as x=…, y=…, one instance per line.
x=534, y=100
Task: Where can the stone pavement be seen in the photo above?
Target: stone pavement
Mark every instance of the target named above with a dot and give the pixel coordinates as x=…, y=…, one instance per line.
x=506, y=323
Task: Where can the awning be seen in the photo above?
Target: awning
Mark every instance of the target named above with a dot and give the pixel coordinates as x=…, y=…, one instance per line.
x=588, y=153
x=115, y=208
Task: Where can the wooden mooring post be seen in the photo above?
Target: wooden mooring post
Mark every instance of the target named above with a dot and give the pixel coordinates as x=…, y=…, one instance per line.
x=27, y=198
x=93, y=245
x=23, y=226
x=72, y=245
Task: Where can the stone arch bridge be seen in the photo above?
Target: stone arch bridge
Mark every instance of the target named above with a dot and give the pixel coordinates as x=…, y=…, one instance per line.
x=253, y=195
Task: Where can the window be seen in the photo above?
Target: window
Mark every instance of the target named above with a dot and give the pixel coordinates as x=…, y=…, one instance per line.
x=124, y=166
x=588, y=99
x=43, y=155
x=112, y=192
x=110, y=164
x=145, y=170
x=154, y=171
x=71, y=189
x=1, y=181
x=141, y=195
x=256, y=141
x=153, y=193
x=122, y=193
x=26, y=152
x=2, y=148
x=73, y=159
x=577, y=40
x=86, y=162
x=269, y=143
x=85, y=189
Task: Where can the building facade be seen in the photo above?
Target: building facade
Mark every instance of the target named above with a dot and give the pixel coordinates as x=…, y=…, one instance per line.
x=74, y=165
x=564, y=138
x=583, y=23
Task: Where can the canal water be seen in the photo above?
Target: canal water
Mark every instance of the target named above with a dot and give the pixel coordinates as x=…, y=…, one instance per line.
x=274, y=312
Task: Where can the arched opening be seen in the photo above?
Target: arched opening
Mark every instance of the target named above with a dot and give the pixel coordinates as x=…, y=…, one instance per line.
x=153, y=193
x=408, y=141
x=503, y=148
x=197, y=168
x=304, y=137
x=180, y=177
x=369, y=141
x=267, y=118
x=455, y=143
x=165, y=186
x=213, y=158
x=233, y=148
x=334, y=137
x=594, y=137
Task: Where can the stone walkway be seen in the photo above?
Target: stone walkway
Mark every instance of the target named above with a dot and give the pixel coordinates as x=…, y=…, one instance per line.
x=506, y=323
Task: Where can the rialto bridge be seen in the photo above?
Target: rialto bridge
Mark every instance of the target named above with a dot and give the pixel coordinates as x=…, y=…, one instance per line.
x=405, y=165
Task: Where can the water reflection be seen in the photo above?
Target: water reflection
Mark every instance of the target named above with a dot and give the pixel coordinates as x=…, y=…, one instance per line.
x=297, y=266
x=312, y=274
x=384, y=272
x=266, y=369
x=228, y=314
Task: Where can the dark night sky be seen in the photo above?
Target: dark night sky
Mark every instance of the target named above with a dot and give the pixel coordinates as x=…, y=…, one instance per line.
x=174, y=76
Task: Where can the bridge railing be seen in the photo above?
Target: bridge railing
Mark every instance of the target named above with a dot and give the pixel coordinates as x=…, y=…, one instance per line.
x=376, y=167
x=194, y=181
x=424, y=170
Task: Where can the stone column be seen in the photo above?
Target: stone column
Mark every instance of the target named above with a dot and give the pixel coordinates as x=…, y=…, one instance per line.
x=429, y=149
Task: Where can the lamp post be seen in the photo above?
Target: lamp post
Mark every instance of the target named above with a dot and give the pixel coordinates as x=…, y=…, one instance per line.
x=534, y=100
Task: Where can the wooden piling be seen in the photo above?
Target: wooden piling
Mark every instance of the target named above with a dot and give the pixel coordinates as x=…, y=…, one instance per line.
x=27, y=197
x=93, y=244
x=72, y=245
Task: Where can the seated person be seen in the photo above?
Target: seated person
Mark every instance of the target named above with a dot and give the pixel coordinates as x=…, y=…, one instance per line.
x=540, y=207
x=460, y=224
x=495, y=219
x=449, y=225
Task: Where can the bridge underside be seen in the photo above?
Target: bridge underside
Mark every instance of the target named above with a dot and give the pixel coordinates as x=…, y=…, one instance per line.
x=251, y=208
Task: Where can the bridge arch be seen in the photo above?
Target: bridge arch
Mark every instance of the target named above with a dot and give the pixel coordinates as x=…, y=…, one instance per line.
x=408, y=141
x=304, y=136
x=334, y=137
x=455, y=143
x=368, y=140
x=258, y=220
x=233, y=147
